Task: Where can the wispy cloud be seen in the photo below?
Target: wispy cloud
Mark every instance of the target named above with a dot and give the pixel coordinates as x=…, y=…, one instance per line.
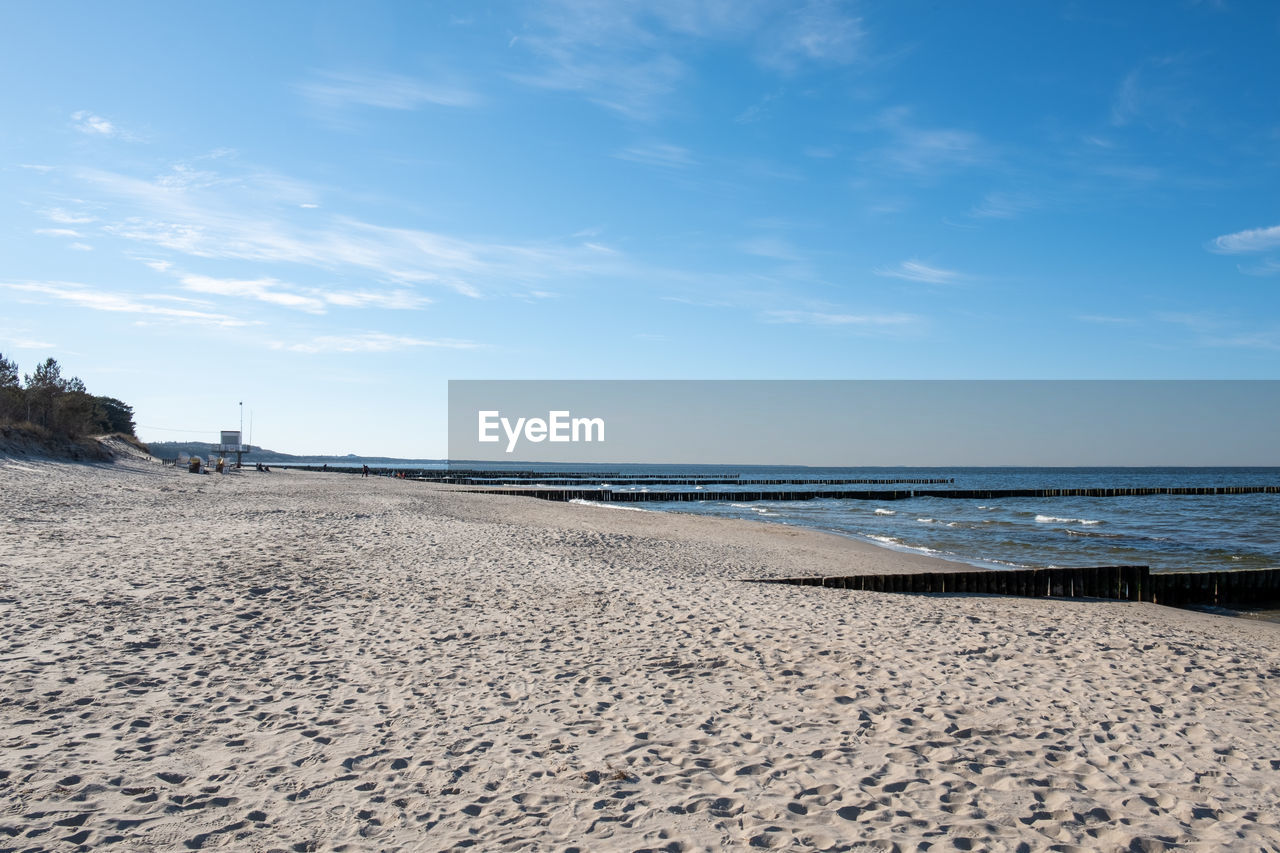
x=338, y=90
x=57, y=214
x=264, y=290
x=86, y=122
x=1270, y=266
x=1125, y=103
x=919, y=272
x=1106, y=320
x=758, y=110
x=1252, y=240
x=922, y=150
x=58, y=232
x=626, y=57
x=1214, y=330
x=822, y=318
x=22, y=339
x=821, y=31
x=658, y=154
x=633, y=88
x=368, y=342
x=310, y=300
x=772, y=247
x=1154, y=94
x=82, y=296
x=1001, y=205
x=244, y=219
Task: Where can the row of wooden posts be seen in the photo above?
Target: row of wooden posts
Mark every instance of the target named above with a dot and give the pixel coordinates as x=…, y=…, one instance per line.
x=873, y=494
x=1237, y=589
x=675, y=480
x=556, y=478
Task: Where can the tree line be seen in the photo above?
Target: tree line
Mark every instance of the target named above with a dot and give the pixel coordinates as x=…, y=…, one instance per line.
x=61, y=405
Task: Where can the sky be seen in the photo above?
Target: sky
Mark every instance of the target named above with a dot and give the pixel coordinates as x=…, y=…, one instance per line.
x=327, y=211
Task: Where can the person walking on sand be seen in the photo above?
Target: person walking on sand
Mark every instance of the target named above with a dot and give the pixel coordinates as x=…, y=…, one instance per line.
x=365, y=473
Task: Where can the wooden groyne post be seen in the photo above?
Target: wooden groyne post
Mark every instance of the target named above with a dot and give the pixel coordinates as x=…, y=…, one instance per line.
x=1230, y=589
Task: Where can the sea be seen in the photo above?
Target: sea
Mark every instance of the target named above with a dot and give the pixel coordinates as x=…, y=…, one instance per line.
x=1164, y=532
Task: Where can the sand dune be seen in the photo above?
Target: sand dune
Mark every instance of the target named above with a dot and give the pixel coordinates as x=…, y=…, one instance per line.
x=295, y=661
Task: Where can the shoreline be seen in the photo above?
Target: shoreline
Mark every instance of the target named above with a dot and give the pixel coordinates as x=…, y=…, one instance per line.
x=271, y=660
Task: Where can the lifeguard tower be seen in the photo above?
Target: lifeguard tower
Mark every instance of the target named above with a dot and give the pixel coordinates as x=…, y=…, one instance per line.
x=230, y=443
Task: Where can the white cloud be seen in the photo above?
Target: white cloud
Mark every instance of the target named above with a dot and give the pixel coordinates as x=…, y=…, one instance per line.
x=400, y=300
x=923, y=273
x=82, y=247
x=82, y=296
x=920, y=150
x=264, y=290
x=310, y=300
x=626, y=56
x=368, y=342
x=821, y=31
x=57, y=214
x=86, y=122
x=242, y=219
x=1253, y=240
x=58, y=232
x=336, y=90
x=658, y=154
x=822, y=318
x=633, y=88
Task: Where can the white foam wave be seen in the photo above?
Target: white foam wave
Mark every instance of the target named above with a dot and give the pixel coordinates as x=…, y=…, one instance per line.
x=1053, y=519
x=886, y=512
x=583, y=502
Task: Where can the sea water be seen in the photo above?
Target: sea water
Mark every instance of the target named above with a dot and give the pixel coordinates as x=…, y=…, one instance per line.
x=1165, y=532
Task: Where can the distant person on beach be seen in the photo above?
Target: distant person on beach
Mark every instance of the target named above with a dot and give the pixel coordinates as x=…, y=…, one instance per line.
x=324, y=467
x=365, y=473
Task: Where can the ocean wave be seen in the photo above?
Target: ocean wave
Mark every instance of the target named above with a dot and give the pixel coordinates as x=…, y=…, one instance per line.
x=886, y=512
x=1053, y=519
x=607, y=505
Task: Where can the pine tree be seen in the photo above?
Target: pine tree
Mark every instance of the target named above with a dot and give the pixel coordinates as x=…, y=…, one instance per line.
x=12, y=407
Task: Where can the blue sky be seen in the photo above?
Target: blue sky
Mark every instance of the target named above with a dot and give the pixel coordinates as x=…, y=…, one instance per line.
x=328, y=211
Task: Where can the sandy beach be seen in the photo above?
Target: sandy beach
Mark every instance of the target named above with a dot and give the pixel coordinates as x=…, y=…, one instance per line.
x=303, y=661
